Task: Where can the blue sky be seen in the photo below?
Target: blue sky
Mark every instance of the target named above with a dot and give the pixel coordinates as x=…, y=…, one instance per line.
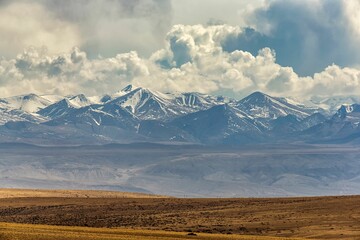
x=283, y=47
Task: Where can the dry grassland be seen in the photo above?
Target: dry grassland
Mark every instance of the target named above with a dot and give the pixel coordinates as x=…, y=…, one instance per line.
x=312, y=218
x=26, y=193
x=10, y=231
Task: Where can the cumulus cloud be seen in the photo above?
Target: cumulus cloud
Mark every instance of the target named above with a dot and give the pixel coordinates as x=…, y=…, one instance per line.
x=37, y=71
x=193, y=60
x=307, y=35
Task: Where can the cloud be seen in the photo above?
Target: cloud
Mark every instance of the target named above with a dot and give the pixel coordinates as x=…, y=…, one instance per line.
x=24, y=24
x=100, y=27
x=193, y=59
x=69, y=73
x=306, y=35
x=109, y=26
x=232, y=12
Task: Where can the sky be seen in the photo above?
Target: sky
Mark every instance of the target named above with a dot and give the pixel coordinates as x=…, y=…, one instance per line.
x=233, y=47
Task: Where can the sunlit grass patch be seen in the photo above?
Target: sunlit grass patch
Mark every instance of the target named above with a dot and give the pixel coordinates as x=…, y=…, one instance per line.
x=11, y=231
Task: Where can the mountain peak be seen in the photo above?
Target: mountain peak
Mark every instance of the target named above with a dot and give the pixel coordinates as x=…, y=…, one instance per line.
x=257, y=96
x=129, y=88
x=30, y=96
x=261, y=105
x=28, y=102
x=79, y=97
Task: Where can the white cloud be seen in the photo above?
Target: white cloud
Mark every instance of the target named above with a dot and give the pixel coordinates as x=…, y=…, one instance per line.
x=24, y=24
x=100, y=27
x=307, y=35
x=37, y=71
x=193, y=60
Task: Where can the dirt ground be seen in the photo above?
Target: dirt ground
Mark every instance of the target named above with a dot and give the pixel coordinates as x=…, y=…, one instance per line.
x=319, y=217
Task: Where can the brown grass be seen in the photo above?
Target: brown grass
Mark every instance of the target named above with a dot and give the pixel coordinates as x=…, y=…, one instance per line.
x=317, y=218
x=26, y=193
x=44, y=232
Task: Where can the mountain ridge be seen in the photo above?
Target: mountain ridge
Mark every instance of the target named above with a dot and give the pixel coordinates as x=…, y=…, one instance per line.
x=141, y=113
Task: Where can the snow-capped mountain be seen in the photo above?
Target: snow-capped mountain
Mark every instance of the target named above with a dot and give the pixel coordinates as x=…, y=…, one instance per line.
x=262, y=106
x=7, y=115
x=141, y=113
x=98, y=115
x=80, y=100
x=63, y=106
x=153, y=105
x=344, y=126
x=57, y=110
x=22, y=108
x=146, y=104
x=30, y=103
x=332, y=104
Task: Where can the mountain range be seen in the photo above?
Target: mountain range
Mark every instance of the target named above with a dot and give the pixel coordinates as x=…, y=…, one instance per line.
x=181, y=144
x=137, y=114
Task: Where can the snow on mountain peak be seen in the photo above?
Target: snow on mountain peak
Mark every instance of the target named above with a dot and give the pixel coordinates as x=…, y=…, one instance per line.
x=332, y=104
x=261, y=105
x=29, y=103
x=79, y=101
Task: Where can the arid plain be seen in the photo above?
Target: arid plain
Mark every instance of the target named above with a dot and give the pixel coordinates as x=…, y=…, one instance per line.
x=125, y=216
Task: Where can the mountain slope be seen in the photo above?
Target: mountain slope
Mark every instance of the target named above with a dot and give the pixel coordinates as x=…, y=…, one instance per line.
x=22, y=108
x=332, y=104
x=7, y=115
x=99, y=115
x=152, y=105
x=219, y=124
x=30, y=103
x=344, y=126
x=262, y=106
x=57, y=110
x=141, y=113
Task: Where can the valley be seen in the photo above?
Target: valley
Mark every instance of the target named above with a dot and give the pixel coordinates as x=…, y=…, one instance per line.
x=183, y=170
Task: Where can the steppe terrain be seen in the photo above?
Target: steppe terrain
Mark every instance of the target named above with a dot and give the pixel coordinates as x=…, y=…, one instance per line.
x=10, y=231
x=37, y=193
x=312, y=218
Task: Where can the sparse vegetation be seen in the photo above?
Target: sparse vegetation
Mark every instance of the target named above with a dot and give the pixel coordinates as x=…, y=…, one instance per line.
x=10, y=231
x=24, y=193
x=314, y=218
